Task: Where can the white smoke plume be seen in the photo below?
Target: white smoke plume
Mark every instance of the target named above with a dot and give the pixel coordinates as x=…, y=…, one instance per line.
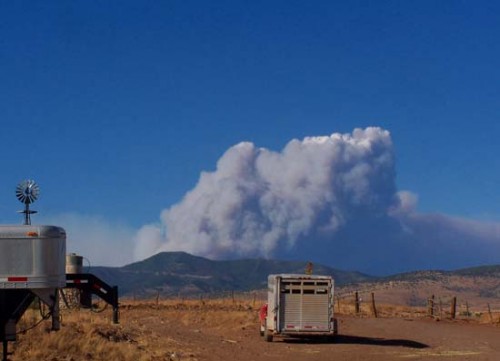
x=332, y=199
x=258, y=200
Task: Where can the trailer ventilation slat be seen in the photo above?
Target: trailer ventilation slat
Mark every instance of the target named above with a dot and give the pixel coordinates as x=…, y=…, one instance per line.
x=305, y=306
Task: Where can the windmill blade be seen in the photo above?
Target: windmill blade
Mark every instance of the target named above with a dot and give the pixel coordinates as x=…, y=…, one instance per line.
x=27, y=191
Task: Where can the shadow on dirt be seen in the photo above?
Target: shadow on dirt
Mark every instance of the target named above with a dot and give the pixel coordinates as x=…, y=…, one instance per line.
x=356, y=340
x=378, y=341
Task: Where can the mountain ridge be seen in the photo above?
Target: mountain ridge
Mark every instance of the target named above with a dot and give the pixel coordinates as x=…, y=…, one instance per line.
x=180, y=273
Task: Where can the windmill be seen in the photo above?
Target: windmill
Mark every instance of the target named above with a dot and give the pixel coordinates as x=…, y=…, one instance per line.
x=27, y=192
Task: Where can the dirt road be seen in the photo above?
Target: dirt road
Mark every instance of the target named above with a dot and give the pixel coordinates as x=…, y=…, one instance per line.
x=221, y=335
x=204, y=332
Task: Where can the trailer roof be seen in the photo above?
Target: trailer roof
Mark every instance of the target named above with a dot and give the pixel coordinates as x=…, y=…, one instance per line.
x=300, y=276
x=31, y=231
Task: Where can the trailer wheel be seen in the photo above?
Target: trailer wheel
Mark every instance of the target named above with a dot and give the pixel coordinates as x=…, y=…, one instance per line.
x=268, y=336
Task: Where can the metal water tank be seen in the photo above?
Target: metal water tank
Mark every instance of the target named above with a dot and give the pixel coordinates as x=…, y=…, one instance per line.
x=32, y=256
x=74, y=263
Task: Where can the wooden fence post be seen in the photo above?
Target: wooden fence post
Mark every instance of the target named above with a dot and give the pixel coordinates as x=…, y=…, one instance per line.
x=374, y=308
x=356, y=303
x=453, y=310
x=489, y=311
x=430, y=306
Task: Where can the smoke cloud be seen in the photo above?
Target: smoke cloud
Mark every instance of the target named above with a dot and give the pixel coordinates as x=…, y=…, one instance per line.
x=332, y=199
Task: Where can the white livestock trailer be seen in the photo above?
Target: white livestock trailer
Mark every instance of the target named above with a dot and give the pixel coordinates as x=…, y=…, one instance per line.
x=298, y=306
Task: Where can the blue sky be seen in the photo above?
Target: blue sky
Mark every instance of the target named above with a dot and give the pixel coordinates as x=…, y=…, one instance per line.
x=115, y=107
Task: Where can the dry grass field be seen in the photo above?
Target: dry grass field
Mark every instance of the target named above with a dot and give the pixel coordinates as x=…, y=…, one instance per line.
x=225, y=329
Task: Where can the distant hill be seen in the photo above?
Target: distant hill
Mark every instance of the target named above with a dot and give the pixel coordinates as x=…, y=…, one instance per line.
x=172, y=273
x=481, y=271
x=475, y=287
x=179, y=273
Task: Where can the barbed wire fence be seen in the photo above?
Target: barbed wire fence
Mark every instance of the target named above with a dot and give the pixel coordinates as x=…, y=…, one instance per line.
x=439, y=307
x=349, y=300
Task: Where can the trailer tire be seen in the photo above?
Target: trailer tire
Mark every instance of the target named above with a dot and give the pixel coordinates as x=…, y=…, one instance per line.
x=268, y=337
